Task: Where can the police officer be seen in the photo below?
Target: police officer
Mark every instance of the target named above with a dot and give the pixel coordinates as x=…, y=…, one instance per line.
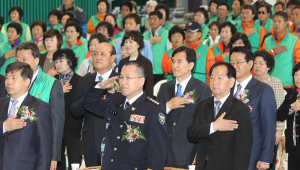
x=136, y=135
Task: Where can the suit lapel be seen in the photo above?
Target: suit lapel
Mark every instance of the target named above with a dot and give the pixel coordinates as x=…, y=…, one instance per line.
x=190, y=85
x=251, y=85
x=172, y=89
x=209, y=109
x=4, y=109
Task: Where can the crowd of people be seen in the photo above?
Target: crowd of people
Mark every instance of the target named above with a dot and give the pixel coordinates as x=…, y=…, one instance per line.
x=87, y=87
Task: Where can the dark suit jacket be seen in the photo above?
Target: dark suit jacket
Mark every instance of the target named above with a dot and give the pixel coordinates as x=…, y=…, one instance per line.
x=93, y=127
x=223, y=150
x=180, y=149
x=29, y=148
x=263, y=115
x=149, y=84
x=121, y=154
x=2, y=86
x=73, y=124
x=283, y=114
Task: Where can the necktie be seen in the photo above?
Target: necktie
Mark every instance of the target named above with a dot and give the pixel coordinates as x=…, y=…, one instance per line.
x=100, y=78
x=237, y=93
x=217, y=107
x=13, y=110
x=126, y=105
x=178, y=93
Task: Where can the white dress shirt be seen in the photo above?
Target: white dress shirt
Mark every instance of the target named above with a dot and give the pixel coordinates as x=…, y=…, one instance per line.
x=34, y=77
x=20, y=101
x=183, y=86
x=133, y=99
x=105, y=76
x=243, y=84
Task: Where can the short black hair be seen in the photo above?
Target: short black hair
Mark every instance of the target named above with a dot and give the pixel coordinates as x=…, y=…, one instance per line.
x=128, y=4
x=248, y=53
x=19, y=9
x=248, y=6
x=26, y=70
x=190, y=54
x=241, y=2
x=100, y=37
x=18, y=27
x=297, y=7
x=140, y=67
x=213, y=1
x=1, y=22
x=231, y=72
x=282, y=14
x=51, y=33
x=230, y=25
x=164, y=7
x=267, y=57
x=136, y=36
x=238, y=36
x=108, y=26
x=223, y=3
x=68, y=54
x=35, y=52
x=268, y=7
x=55, y=12
x=204, y=12
x=292, y=2
x=216, y=23
x=157, y=13
x=176, y=29
x=295, y=69
x=73, y=20
x=106, y=2
x=280, y=3
x=77, y=27
x=134, y=5
x=39, y=23
x=136, y=18
x=68, y=13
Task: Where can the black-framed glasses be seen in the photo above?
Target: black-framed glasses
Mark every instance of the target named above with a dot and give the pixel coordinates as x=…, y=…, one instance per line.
x=237, y=63
x=261, y=12
x=127, y=78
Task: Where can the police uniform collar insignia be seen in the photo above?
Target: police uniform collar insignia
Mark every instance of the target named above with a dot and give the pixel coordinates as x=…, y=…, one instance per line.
x=120, y=105
x=152, y=100
x=132, y=108
x=161, y=118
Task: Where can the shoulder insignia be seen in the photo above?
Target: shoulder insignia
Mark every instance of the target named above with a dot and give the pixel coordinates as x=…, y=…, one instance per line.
x=153, y=101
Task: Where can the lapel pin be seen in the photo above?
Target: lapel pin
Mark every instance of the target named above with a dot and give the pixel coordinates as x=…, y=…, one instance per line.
x=133, y=108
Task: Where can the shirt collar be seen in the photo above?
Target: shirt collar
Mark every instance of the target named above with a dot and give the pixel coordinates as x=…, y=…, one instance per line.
x=221, y=100
x=34, y=76
x=194, y=46
x=245, y=28
x=20, y=99
x=105, y=76
x=156, y=31
x=279, y=38
x=183, y=84
x=243, y=84
x=133, y=99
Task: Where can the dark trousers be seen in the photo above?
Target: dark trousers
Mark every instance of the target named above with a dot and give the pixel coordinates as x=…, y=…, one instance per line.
x=73, y=145
x=158, y=77
x=92, y=159
x=294, y=161
x=273, y=164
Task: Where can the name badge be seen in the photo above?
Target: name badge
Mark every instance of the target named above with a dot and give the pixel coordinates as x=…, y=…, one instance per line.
x=137, y=118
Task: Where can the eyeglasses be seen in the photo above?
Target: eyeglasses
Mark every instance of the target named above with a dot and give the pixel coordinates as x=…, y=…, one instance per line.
x=127, y=78
x=261, y=12
x=237, y=63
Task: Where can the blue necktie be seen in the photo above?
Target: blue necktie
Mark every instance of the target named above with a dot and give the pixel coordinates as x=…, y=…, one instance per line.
x=100, y=78
x=178, y=93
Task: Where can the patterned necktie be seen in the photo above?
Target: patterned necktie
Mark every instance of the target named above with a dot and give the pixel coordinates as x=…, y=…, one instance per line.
x=126, y=105
x=100, y=78
x=13, y=109
x=237, y=93
x=178, y=93
x=217, y=107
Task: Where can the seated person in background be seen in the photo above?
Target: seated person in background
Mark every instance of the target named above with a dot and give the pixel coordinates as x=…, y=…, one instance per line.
x=279, y=6
x=290, y=5
x=134, y=7
x=296, y=21
x=103, y=8
x=15, y=14
x=235, y=16
x=124, y=54
x=201, y=16
x=7, y=50
x=38, y=29
x=64, y=19
x=54, y=17
x=264, y=12
x=111, y=18
x=107, y=30
x=75, y=20
x=254, y=32
x=150, y=6
x=239, y=40
x=164, y=9
x=213, y=4
x=125, y=8
x=87, y=64
x=214, y=36
x=223, y=12
x=3, y=37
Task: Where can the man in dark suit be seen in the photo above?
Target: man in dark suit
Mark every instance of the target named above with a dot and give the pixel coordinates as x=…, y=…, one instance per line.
x=181, y=152
x=136, y=134
x=262, y=105
x=49, y=90
x=222, y=125
x=2, y=85
x=94, y=126
x=28, y=144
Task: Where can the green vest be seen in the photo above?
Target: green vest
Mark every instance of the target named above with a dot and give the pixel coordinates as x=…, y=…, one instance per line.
x=217, y=51
x=58, y=27
x=168, y=26
x=286, y=59
x=24, y=26
x=268, y=25
x=158, y=49
x=85, y=41
x=119, y=21
x=234, y=22
x=211, y=19
x=169, y=53
x=42, y=86
x=3, y=38
x=143, y=21
x=254, y=38
x=112, y=43
x=4, y=48
x=204, y=31
x=199, y=71
x=119, y=35
x=80, y=52
x=95, y=20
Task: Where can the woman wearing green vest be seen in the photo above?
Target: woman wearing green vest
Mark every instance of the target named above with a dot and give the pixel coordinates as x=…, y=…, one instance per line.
x=221, y=50
x=107, y=30
x=201, y=16
x=74, y=20
x=102, y=7
x=126, y=8
x=7, y=52
x=64, y=20
x=15, y=13
x=164, y=9
x=54, y=17
x=73, y=42
x=176, y=37
x=111, y=18
x=264, y=12
x=53, y=41
x=38, y=28
x=239, y=40
x=213, y=4
x=214, y=36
